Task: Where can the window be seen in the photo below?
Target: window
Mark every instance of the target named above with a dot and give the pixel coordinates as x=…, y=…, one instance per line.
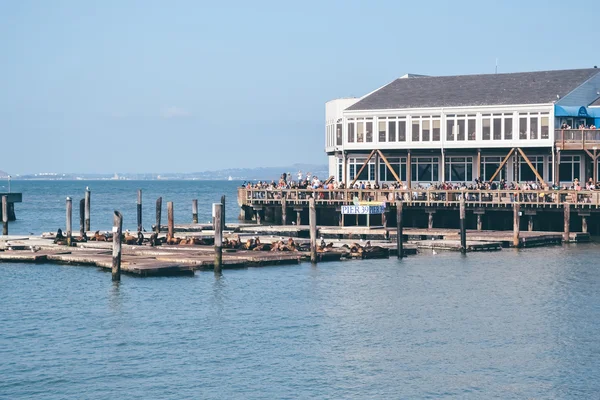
x=525, y=173
x=351, y=132
x=461, y=129
x=485, y=128
x=569, y=168
x=533, y=127
x=508, y=128
x=523, y=128
x=392, y=131
x=369, y=131
x=425, y=128
x=450, y=128
x=382, y=132
x=338, y=135
x=545, y=128
x=360, y=131
x=424, y=169
x=497, y=135
x=401, y=131
x=459, y=169
x=489, y=166
x=415, y=130
x=399, y=167
x=436, y=130
x=471, y=129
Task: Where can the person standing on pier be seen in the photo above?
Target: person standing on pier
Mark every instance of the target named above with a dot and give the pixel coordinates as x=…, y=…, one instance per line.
x=299, y=178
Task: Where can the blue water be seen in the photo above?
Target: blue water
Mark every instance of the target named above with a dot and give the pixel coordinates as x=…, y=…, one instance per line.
x=515, y=324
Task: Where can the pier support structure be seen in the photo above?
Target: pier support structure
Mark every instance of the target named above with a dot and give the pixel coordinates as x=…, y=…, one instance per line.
x=399, y=234
x=69, y=227
x=116, y=252
x=463, y=228
x=88, y=196
x=584, y=222
x=195, y=211
x=312, y=220
x=218, y=238
x=158, y=214
x=139, y=210
x=516, y=223
x=567, y=222
x=4, y=215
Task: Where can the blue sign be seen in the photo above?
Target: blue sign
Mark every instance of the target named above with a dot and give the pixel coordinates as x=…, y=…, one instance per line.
x=582, y=112
x=363, y=209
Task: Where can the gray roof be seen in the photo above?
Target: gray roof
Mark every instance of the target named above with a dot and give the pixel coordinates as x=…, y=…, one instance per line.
x=476, y=90
x=596, y=103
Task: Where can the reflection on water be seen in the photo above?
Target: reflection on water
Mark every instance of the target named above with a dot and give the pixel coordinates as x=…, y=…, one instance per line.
x=511, y=325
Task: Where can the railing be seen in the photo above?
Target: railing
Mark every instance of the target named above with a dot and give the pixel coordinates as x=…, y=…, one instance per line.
x=429, y=197
x=579, y=137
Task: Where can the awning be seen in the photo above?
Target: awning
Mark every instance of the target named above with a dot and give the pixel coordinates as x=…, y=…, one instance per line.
x=573, y=111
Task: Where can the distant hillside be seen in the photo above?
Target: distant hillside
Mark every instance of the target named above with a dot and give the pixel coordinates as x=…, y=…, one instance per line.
x=3, y=174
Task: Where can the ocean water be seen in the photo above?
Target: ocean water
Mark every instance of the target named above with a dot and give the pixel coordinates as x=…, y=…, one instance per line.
x=515, y=324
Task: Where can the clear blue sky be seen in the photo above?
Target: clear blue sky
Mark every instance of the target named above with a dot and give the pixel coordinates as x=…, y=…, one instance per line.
x=182, y=86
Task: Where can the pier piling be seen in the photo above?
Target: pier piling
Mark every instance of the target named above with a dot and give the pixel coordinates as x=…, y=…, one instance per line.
x=218, y=238
x=4, y=215
x=584, y=225
x=81, y=217
x=567, y=220
x=516, y=223
x=283, y=210
x=88, y=196
x=223, y=211
x=463, y=228
x=195, y=211
x=116, y=250
x=139, y=210
x=170, y=222
x=312, y=220
x=399, y=248
x=69, y=227
x=158, y=214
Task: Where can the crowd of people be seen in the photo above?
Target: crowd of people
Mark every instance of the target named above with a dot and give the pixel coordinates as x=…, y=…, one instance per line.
x=581, y=126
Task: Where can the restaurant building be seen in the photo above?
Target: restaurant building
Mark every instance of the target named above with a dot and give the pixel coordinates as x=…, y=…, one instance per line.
x=426, y=129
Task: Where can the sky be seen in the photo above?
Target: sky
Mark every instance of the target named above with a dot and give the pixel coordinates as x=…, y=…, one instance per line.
x=183, y=86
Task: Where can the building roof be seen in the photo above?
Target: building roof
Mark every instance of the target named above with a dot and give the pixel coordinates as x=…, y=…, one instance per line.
x=596, y=103
x=476, y=90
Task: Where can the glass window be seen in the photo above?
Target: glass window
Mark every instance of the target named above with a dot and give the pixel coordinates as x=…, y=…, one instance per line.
x=497, y=132
x=508, y=128
x=545, y=128
x=401, y=131
x=436, y=130
x=459, y=169
x=350, y=132
x=485, y=128
x=471, y=129
x=338, y=134
x=569, y=168
x=526, y=174
x=415, y=130
x=533, y=127
x=369, y=131
x=489, y=166
x=460, y=126
x=450, y=129
x=425, y=169
x=392, y=131
x=523, y=128
x=360, y=132
x=382, y=132
x=425, y=128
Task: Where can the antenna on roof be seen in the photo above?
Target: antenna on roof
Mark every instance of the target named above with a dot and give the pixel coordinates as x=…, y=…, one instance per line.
x=496, y=65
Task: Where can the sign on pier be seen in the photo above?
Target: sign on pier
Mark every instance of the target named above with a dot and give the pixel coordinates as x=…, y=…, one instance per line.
x=370, y=209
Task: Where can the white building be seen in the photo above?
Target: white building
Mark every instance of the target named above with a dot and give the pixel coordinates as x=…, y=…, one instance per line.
x=458, y=128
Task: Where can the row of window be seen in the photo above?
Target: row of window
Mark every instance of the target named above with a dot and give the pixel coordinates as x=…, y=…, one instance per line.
x=526, y=126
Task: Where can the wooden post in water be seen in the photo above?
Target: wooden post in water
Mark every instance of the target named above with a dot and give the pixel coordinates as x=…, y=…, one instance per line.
x=584, y=227
x=479, y=222
x=530, y=224
x=283, y=210
x=158, y=214
x=567, y=231
x=218, y=238
x=116, y=251
x=463, y=228
x=69, y=221
x=88, y=196
x=430, y=221
x=223, y=211
x=516, y=224
x=170, y=222
x=195, y=211
x=399, y=234
x=4, y=215
x=139, y=210
x=312, y=220
x=81, y=217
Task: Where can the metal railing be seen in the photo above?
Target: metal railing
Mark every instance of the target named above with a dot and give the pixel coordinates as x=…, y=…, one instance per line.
x=428, y=197
x=577, y=136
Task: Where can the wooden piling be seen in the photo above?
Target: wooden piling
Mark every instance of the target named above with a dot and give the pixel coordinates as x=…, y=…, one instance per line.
x=463, y=228
x=530, y=224
x=139, y=210
x=4, y=215
x=430, y=221
x=298, y=216
x=516, y=224
x=116, y=250
x=158, y=214
x=223, y=211
x=399, y=229
x=81, y=217
x=312, y=220
x=88, y=196
x=584, y=225
x=195, y=211
x=69, y=227
x=479, y=222
x=283, y=210
x=218, y=238
x=567, y=220
x=170, y=222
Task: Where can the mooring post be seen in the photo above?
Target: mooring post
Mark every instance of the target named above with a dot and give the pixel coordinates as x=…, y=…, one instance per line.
x=116, y=253
x=158, y=214
x=195, y=211
x=567, y=232
x=584, y=227
x=4, y=215
x=516, y=223
x=69, y=221
x=463, y=228
x=223, y=211
x=312, y=221
x=530, y=224
x=479, y=222
x=170, y=222
x=88, y=196
x=399, y=234
x=298, y=216
x=218, y=238
x=81, y=217
x=139, y=210
x=430, y=221
x=283, y=209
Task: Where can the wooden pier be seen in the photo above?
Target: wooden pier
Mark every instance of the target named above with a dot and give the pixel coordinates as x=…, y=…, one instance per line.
x=11, y=199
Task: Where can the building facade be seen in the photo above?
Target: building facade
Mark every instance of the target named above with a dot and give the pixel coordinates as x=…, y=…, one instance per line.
x=519, y=127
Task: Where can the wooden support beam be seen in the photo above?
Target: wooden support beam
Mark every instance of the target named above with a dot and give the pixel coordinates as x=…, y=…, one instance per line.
x=139, y=210
x=584, y=225
x=502, y=165
x=69, y=221
x=530, y=224
x=195, y=211
x=158, y=214
x=478, y=163
x=88, y=196
x=399, y=248
x=312, y=220
x=82, y=217
x=283, y=209
x=463, y=228
x=408, y=170
x=538, y=176
x=170, y=221
x=567, y=222
x=4, y=215
x=116, y=250
x=396, y=177
x=223, y=221
x=516, y=223
x=363, y=167
x=218, y=238
x=479, y=222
